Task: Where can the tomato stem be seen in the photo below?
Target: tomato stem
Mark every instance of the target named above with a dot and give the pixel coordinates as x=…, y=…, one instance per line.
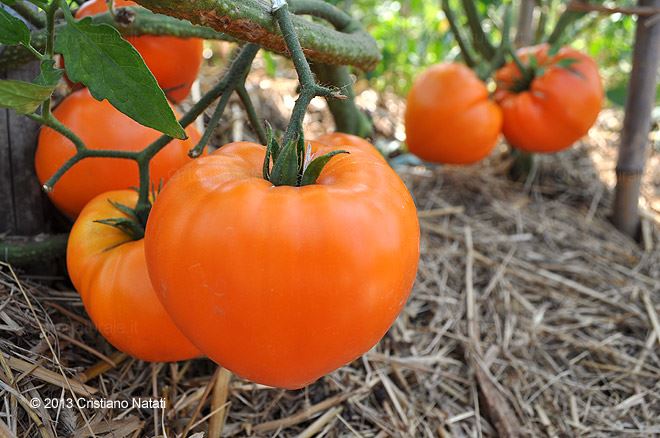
x=255, y=121
x=309, y=89
x=51, y=10
x=466, y=50
x=479, y=37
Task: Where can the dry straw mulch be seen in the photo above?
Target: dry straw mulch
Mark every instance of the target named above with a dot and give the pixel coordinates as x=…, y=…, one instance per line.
x=531, y=316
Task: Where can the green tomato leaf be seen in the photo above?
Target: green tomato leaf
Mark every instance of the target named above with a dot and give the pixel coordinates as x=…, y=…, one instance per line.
x=618, y=94
x=315, y=168
x=49, y=74
x=112, y=69
x=23, y=97
x=12, y=29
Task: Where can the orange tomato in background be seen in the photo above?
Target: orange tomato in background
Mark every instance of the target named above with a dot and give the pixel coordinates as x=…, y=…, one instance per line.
x=282, y=285
x=449, y=117
x=109, y=271
x=175, y=62
x=339, y=139
x=101, y=126
x=558, y=107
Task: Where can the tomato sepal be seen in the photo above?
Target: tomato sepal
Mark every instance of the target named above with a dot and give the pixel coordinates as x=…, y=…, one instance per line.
x=292, y=163
x=314, y=168
x=128, y=226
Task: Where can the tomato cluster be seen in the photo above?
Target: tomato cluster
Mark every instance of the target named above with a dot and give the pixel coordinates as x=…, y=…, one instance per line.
x=278, y=283
x=450, y=117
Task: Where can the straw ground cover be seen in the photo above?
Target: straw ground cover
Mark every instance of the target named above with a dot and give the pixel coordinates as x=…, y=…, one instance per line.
x=530, y=316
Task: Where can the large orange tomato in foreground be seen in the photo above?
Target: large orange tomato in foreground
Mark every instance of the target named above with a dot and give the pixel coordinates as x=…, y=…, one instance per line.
x=101, y=126
x=449, y=118
x=559, y=105
x=282, y=285
x=109, y=271
x=175, y=62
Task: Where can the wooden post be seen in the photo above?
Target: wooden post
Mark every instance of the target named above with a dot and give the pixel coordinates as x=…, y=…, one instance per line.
x=25, y=212
x=637, y=122
x=22, y=203
x=524, y=28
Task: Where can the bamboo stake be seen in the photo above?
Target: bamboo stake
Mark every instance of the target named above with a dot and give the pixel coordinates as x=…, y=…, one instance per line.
x=525, y=29
x=637, y=122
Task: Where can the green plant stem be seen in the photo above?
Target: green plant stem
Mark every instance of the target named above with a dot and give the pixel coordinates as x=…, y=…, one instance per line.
x=50, y=47
x=347, y=116
x=236, y=72
x=145, y=23
x=523, y=165
x=309, y=89
x=34, y=52
x=255, y=121
x=539, y=34
x=566, y=19
x=83, y=154
x=499, y=57
x=213, y=123
x=479, y=38
x=468, y=56
x=524, y=71
x=339, y=19
x=252, y=21
x=143, y=205
x=22, y=253
x=31, y=13
x=50, y=121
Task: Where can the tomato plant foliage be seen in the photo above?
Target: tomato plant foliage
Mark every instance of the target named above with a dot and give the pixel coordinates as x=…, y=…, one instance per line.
x=99, y=58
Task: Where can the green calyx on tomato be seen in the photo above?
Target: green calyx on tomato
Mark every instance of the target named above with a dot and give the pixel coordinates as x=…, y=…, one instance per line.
x=129, y=224
x=132, y=224
x=292, y=164
x=534, y=69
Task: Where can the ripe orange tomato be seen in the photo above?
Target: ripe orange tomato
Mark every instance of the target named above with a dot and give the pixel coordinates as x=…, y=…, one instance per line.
x=559, y=105
x=282, y=285
x=340, y=139
x=101, y=126
x=174, y=61
x=109, y=271
x=449, y=118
